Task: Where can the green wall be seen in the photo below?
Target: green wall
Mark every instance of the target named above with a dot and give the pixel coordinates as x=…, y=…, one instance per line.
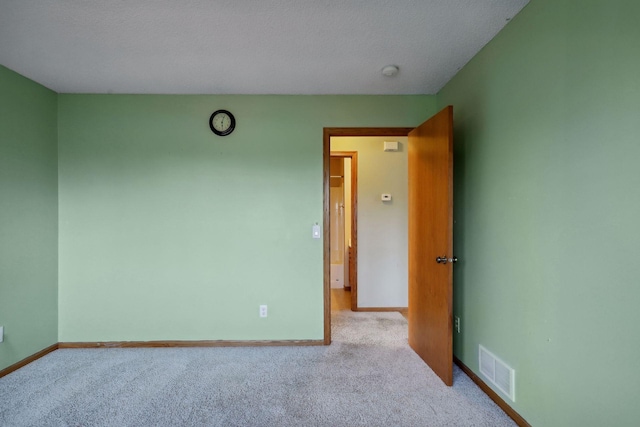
x=547, y=209
x=168, y=232
x=28, y=217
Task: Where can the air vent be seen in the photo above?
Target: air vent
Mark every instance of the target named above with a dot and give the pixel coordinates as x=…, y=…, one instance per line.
x=498, y=373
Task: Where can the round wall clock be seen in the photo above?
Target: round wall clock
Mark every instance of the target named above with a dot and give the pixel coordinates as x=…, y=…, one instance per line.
x=222, y=122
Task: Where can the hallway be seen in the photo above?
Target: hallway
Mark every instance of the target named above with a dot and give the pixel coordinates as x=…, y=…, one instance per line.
x=341, y=300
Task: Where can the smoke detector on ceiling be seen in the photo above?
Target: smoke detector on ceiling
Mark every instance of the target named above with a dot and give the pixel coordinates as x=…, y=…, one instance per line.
x=390, y=70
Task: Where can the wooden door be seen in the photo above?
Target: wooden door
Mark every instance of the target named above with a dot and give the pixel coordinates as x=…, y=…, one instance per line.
x=431, y=237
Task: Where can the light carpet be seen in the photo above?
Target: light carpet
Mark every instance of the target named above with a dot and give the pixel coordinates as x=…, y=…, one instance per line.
x=369, y=376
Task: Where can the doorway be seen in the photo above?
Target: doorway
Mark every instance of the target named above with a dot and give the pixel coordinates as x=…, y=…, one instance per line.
x=343, y=214
x=337, y=132
x=430, y=269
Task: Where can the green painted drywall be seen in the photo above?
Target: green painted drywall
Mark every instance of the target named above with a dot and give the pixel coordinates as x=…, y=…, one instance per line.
x=168, y=232
x=382, y=226
x=28, y=217
x=547, y=209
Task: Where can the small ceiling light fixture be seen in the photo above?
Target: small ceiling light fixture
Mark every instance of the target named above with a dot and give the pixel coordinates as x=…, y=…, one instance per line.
x=390, y=70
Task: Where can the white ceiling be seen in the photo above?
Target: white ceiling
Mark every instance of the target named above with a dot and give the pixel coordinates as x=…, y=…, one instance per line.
x=246, y=46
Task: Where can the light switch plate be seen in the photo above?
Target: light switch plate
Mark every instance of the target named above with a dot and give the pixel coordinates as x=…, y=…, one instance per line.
x=1, y=333
x=385, y=197
x=316, y=232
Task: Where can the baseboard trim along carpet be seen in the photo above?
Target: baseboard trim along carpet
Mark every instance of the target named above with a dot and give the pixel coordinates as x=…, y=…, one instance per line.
x=380, y=309
x=155, y=344
x=27, y=360
x=492, y=394
x=165, y=344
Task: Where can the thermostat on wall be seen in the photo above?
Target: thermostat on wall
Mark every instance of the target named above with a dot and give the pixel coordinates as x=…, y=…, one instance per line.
x=386, y=197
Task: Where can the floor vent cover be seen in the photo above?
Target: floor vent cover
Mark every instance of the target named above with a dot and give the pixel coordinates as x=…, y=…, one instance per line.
x=498, y=373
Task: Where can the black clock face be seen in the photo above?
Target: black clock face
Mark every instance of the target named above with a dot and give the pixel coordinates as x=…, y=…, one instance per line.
x=222, y=122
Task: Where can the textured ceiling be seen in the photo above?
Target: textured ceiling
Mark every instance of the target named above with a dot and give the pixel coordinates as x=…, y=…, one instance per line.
x=246, y=46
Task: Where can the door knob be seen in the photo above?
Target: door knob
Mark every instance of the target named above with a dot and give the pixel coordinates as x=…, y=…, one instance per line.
x=454, y=259
x=441, y=260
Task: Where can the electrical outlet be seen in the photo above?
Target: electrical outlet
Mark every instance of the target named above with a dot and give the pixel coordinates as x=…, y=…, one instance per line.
x=263, y=311
x=456, y=323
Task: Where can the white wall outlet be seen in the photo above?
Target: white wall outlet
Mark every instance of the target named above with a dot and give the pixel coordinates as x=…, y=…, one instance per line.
x=1, y=333
x=263, y=311
x=456, y=323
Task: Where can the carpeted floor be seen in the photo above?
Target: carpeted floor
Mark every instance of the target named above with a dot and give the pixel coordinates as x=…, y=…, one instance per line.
x=368, y=377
